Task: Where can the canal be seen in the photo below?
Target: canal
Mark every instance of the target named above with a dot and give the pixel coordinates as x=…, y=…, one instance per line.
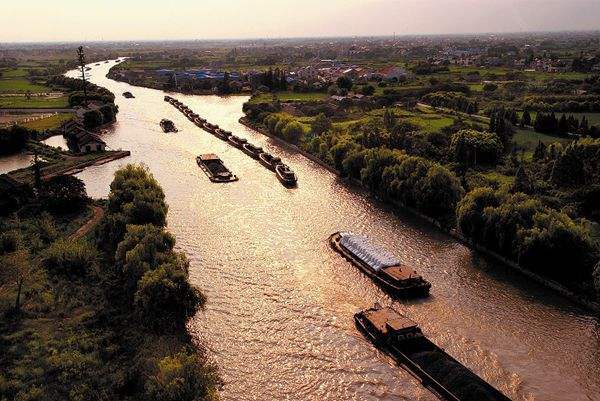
x=279, y=317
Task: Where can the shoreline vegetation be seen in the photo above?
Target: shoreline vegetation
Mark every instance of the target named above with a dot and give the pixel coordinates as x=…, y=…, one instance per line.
x=390, y=169
x=102, y=316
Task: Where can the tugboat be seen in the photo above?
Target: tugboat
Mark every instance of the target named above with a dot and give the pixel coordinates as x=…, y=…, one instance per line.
x=381, y=266
x=285, y=175
x=128, y=95
x=167, y=125
x=268, y=160
x=251, y=150
x=214, y=168
x=237, y=141
x=402, y=338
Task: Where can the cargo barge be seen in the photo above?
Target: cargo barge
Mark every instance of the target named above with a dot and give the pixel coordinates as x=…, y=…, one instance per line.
x=214, y=168
x=402, y=338
x=283, y=172
x=382, y=267
x=167, y=125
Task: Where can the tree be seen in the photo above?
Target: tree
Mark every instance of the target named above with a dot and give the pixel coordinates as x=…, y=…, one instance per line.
x=368, y=90
x=320, y=124
x=522, y=181
x=470, y=147
x=344, y=82
x=69, y=260
x=525, y=119
x=18, y=269
x=93, y=118
x=185, y=376
x=64, y=193
x=81, y=61
x=293, y=131
x=165, y=299
x=389, y=119
x=438, y=192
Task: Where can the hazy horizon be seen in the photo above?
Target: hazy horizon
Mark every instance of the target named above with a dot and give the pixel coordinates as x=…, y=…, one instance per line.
x=64, y=20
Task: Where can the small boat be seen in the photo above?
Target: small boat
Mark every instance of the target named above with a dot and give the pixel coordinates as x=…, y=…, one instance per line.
x=214, y=168
x=381, y=266
x=128, y=95
x=402, y=339
x=88, y=68
x=237, y=141
x=251, y=150
x=168, y=98
x=222, y=134
x=97, y=64
x=285, y=175
x=106, y=62
x=268, y=160
x=167, y=125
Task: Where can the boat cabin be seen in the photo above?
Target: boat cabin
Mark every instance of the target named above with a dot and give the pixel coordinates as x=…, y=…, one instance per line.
x=387, y=322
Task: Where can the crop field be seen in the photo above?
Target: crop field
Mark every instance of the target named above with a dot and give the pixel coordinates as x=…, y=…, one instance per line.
x=47, y=123
x=21, y=102
x=21, y=85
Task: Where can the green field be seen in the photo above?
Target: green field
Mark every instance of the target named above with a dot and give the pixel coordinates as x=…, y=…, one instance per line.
x=290, y=96
x=20, y=85
x=21, y=102
x=47, y=123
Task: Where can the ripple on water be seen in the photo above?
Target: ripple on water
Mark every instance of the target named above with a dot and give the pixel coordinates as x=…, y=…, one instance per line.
x=279, y=317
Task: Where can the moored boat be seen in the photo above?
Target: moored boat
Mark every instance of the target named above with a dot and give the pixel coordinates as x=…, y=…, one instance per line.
x=268, y=160
x=402, y=338
x=128, y=95
x=285, y=175
x=237, y=141
x=214, y=168
x=251, y=150
x=167, y=125
x=382, y=267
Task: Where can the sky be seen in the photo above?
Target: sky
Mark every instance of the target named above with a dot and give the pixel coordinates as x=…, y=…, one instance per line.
x=70, y=20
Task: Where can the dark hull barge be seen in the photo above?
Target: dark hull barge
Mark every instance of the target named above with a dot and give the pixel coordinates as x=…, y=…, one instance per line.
x=214, y=168
x=237, y=141
x=400, y=281
x=443, y=375
x=251, y=150
x=268, y=160
x=167, y=125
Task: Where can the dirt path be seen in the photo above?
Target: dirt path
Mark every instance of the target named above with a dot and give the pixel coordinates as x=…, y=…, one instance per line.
x=98, y=212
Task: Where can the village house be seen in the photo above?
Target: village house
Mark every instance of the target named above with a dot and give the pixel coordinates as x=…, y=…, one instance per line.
x=81, y=140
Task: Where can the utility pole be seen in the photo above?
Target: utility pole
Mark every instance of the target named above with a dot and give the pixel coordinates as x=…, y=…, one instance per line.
x=81, y=59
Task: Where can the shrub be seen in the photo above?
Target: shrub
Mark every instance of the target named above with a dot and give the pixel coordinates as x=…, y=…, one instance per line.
x=68, y=259
x=92, y=118
x=165, y=299
x=293, y=131
x=183, y=377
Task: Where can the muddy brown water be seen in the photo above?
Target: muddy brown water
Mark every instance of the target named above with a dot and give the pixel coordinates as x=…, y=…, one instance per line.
x=279, y=317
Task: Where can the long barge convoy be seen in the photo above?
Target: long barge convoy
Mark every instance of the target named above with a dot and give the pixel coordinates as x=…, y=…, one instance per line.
x=402, y=339
x=382, y=267
x=283, y=173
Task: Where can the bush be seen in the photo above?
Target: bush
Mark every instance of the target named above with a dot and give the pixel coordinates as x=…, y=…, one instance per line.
x=183, y=377
x=92, y=118
x=67, y=259
x=293, y=131
x=165, y=299
x=64, y=193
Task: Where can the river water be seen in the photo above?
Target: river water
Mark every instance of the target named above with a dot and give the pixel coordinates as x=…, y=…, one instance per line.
x=278, y=321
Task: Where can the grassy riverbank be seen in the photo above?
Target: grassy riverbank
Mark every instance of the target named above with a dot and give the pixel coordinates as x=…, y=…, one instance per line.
x=101, y=316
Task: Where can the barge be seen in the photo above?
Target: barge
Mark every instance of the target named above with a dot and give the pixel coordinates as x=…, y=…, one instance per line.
x=380, y=266
x=402, y=338
x=167, y=125
x=214, y=168
x=268, y=160
x=251, y=150
x=285, y=175
x=237, y=141
x=222, y=134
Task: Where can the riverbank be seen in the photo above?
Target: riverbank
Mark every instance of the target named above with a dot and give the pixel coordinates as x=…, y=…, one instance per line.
x=70, y=320
x=551, y=284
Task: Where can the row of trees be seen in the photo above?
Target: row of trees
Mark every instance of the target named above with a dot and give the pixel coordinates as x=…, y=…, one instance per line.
x=284, y=127
x=550, y=124
x=452, y=100
x=523, y=229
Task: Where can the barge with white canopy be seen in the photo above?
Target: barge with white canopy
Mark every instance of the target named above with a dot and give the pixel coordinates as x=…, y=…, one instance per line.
x=380, y=265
